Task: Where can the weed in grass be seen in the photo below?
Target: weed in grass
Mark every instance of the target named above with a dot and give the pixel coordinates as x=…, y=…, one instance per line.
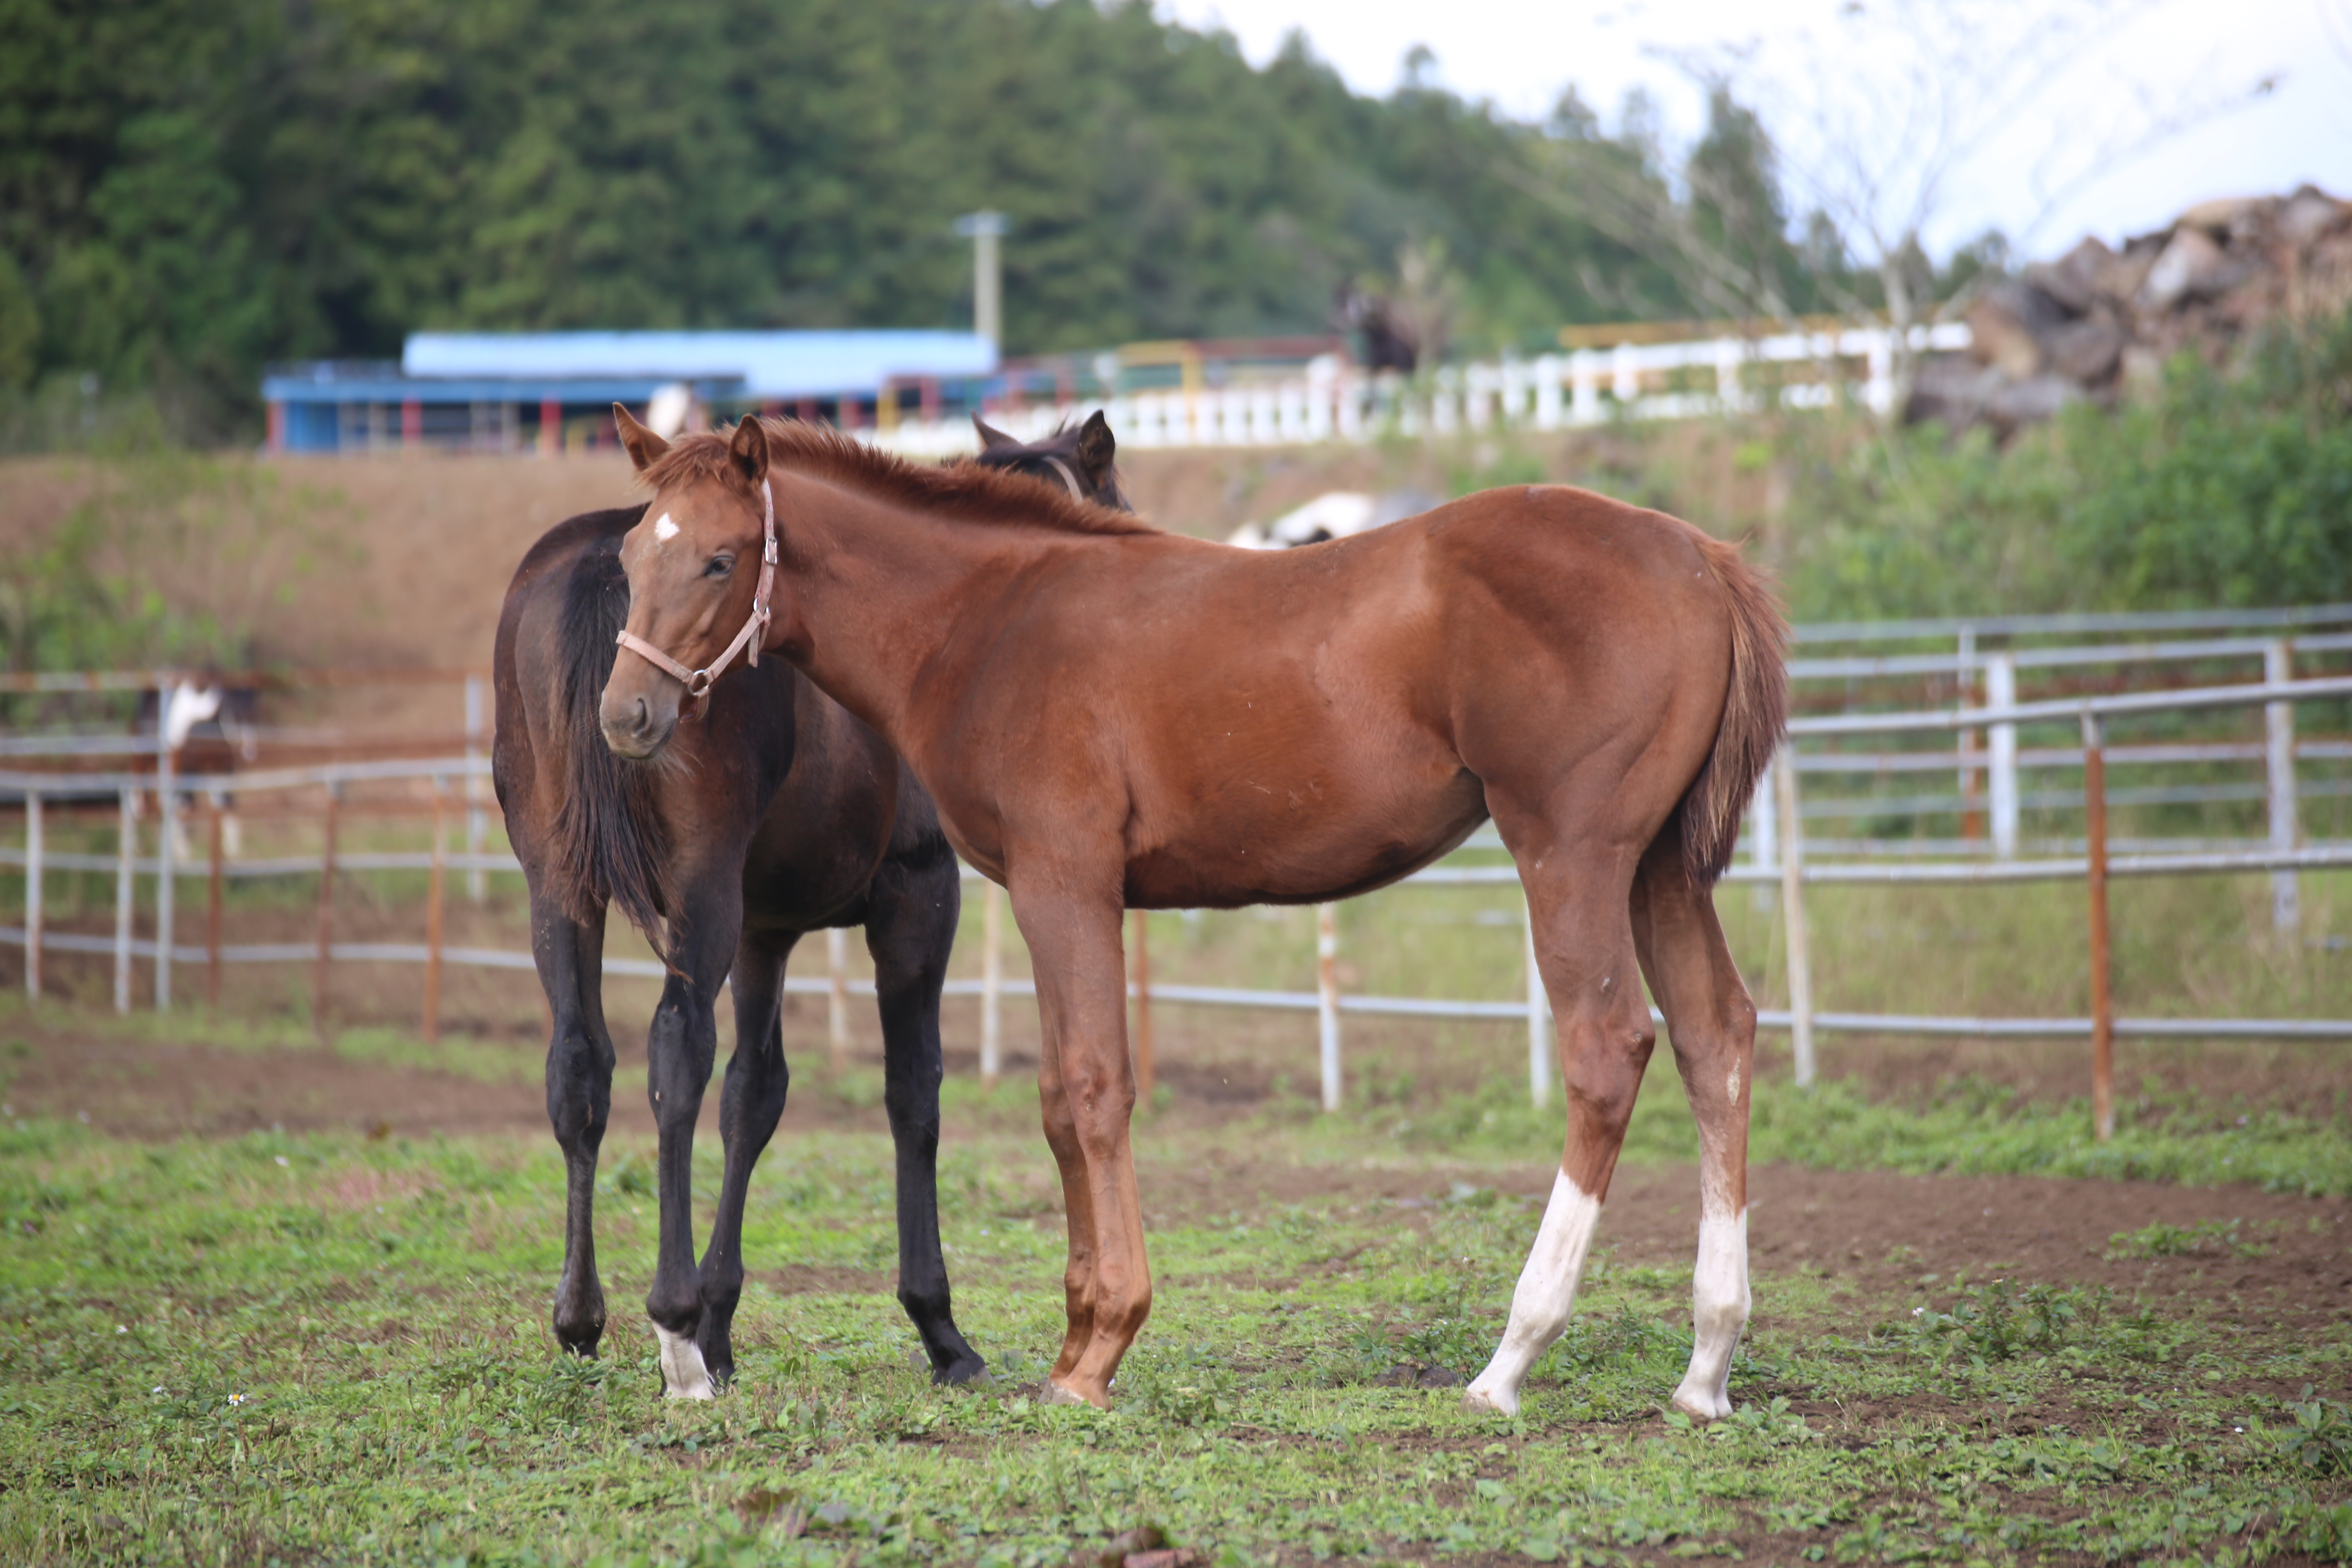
x=2317, y=1440
x=2161, y=1240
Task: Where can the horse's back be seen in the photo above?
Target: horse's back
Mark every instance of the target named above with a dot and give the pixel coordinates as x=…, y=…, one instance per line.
x=1571, y=561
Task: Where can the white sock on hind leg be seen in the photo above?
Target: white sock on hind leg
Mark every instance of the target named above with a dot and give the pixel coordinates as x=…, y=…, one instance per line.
x=1719, y=1304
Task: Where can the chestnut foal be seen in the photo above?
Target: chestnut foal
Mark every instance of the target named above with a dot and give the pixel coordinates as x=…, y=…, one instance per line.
x=1113, y=716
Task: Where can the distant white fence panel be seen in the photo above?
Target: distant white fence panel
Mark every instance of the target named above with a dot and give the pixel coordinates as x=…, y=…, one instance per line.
x=1328, y=400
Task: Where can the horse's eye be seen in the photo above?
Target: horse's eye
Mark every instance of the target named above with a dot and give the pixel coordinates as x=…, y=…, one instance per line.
x=720, y=566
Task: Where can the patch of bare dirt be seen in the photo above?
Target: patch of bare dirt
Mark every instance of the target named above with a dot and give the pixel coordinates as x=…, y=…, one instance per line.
x=1884, y=1237
x=816, y=1280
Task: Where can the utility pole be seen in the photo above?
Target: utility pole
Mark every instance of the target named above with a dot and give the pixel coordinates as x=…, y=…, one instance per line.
x=985, y=229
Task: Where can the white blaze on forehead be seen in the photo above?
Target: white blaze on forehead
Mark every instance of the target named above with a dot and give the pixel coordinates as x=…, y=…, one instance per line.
x=663, y=530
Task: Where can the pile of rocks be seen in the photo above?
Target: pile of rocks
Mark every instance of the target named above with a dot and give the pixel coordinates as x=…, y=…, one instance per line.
x=2101, y=323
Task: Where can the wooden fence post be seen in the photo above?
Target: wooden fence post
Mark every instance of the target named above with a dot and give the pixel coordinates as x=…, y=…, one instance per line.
x=1146, y=1075
x=433, y=896
x=126, y=846
x=991, y=982
x=33, y=895
x=477, y=881
x=1327, y=989
x=2103, y=1010
x=326, y=917
x=167, y=827
x=213, y=892
x=1793, y=916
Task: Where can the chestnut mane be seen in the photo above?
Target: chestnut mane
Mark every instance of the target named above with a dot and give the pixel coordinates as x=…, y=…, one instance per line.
x=968, y=491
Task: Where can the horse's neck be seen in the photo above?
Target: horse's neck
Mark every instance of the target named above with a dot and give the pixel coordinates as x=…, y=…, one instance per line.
x=878, y=587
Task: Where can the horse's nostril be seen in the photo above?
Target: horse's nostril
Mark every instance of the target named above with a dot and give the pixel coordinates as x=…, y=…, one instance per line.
x=644, y=717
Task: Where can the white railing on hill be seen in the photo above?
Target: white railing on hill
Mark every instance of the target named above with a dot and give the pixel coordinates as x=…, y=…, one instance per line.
x=1331, y=401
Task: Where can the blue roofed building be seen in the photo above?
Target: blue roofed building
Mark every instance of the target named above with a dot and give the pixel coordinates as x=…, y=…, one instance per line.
x=551, y=392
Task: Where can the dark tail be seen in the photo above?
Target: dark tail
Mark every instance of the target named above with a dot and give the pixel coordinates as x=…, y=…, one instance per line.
x=1755, y=716
x=609, y=843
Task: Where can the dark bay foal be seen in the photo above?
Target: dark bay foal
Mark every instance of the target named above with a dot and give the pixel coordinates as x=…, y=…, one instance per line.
x=1112, y=716
x=775, y=813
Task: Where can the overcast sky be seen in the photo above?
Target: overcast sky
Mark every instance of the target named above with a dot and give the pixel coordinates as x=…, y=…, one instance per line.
x=1521, y=53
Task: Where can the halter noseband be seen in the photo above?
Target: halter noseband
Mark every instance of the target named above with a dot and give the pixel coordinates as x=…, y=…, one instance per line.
x=698, y=681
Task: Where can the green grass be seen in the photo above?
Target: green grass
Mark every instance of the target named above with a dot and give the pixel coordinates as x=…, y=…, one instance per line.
x=334, y=1349
x=1967, y=1127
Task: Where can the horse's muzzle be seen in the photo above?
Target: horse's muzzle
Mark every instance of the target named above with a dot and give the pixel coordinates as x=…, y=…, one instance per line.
x=636, y=727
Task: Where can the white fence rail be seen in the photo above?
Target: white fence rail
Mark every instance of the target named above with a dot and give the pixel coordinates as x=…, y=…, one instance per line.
x=1777, y=857
x=1331, y=401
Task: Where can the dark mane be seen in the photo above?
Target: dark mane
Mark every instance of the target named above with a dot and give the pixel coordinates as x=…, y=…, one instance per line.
x=971, y=492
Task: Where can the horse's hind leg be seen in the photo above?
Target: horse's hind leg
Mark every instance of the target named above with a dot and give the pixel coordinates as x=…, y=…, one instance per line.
x=1711, y=1023
x=569, y=957
x=750, y=1106
x=909, y=931
x=1576, y=898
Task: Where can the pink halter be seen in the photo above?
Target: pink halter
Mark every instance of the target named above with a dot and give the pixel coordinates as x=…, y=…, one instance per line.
x=698, y=681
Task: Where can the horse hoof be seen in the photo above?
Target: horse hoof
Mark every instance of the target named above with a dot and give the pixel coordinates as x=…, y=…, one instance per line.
x=683, y=1374
x=1480, y=1399
x=579, y=1334
x=970, y=1372
x=1701, y=1404
x=1057, y=1394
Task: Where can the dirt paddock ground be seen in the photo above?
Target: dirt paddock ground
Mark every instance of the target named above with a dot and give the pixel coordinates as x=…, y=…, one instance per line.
x=1881, y=1234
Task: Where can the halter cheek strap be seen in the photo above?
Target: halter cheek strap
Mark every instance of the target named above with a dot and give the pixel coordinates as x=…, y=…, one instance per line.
x=754, y=632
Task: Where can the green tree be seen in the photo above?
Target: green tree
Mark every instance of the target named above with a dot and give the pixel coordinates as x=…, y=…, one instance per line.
x=188, y=191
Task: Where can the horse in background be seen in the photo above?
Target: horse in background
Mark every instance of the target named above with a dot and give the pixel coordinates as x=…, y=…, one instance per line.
x=210, y=727
x=778, y=813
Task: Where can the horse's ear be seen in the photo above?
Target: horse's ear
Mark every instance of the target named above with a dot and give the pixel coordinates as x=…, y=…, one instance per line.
x=644, y=446
x=1098, y=449
x=990, y=438
x=748, y=451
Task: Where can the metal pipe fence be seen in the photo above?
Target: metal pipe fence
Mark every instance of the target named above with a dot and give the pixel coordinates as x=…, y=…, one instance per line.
x=1779, y=856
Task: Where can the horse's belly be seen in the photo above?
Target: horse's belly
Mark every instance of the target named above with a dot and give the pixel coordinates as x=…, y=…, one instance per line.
x=1296, y=846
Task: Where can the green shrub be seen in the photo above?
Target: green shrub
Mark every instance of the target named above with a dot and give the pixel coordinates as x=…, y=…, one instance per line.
x=2230, y=487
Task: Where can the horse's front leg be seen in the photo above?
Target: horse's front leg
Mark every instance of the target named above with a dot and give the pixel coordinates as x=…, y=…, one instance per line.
x=750, y=1106
x=679, y=1050
x=909, y=933
x=569, y=954
x=1088, y=1088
